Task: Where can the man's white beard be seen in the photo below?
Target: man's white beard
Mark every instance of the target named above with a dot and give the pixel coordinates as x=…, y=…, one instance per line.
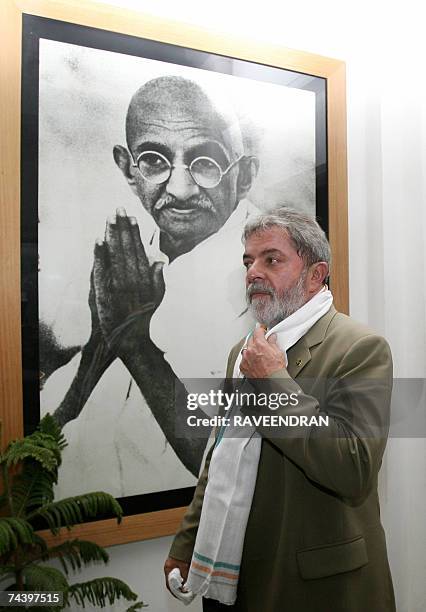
x=271, y=309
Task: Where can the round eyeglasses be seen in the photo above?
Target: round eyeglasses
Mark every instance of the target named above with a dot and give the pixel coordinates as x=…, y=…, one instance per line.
x=205, y=171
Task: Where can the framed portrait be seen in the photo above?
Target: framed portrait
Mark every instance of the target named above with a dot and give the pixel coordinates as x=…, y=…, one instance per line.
x=135, y=150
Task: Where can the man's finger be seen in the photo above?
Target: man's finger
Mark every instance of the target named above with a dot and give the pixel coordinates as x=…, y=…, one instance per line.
x=125, y=237
x=243, y=366
x=92, y=302
x=158, y=281
x=92, y=289
x=272, y=339
x=259, y=334
x=101, y=276
x=142, y=259
x=115, y=251
x=101, y=260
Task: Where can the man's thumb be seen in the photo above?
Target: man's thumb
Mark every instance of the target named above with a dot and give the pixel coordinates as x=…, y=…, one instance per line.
x=272, y=339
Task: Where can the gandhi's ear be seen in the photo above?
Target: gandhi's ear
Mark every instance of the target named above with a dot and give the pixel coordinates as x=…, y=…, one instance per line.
x=124, y=162
x=248, y=169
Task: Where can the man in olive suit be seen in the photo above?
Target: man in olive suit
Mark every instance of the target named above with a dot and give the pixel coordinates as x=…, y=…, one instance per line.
x=312, y=539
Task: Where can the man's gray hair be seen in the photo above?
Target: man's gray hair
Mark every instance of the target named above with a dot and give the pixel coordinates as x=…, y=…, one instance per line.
x=307, y=236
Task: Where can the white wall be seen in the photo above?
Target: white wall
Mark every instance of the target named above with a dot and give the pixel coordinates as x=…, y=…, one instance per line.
x=382, y=44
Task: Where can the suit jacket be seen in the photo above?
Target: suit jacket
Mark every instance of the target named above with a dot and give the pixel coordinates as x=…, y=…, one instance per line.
x=314, y=541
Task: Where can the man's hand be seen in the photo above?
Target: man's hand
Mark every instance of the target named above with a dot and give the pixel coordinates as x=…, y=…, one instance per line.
x=170, y=564
x=127, y=289
x=261, y=357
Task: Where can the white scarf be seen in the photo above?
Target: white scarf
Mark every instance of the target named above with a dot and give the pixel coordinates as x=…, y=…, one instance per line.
x=232, y=476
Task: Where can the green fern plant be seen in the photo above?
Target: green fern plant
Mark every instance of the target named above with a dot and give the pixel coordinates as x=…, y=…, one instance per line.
x=29, y=469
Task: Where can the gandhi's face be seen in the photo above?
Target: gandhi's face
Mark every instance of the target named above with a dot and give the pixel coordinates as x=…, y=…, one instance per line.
x=181, y=208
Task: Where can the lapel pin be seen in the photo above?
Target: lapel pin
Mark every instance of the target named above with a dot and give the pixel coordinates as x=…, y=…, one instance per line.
x=299, y=362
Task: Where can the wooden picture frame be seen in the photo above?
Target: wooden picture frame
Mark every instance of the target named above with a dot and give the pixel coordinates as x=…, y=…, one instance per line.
x=165, y=522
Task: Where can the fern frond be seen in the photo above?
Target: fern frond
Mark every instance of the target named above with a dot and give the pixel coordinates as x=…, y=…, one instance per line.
x=32, y=488
x=44, y=578
x=13, y=533
x=44, y=445
x=49, y=426
x=75, y=510
x=137, y=606
x=100, y=591
x=36, y=448
x=74, y=554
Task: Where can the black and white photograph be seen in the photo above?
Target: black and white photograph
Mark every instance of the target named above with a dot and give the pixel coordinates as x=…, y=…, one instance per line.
x=147, y=173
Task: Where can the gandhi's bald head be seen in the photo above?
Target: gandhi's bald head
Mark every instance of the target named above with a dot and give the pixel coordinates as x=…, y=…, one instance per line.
x=181, y=102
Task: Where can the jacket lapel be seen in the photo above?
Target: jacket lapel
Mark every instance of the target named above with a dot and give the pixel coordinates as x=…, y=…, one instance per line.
x=299, y=355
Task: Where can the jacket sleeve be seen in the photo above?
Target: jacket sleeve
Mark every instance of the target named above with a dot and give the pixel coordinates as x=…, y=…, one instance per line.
x=345, y=456
x=184, y=541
